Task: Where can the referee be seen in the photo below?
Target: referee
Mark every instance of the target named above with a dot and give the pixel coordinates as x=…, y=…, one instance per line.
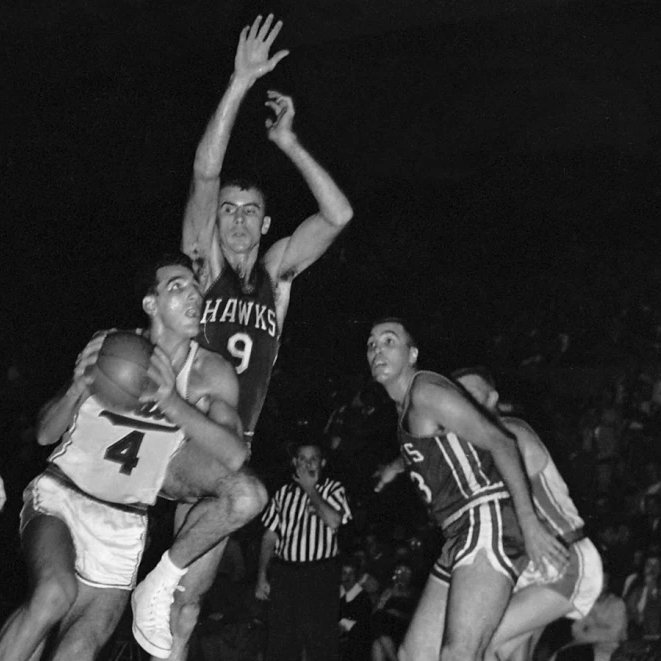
x=301, y=523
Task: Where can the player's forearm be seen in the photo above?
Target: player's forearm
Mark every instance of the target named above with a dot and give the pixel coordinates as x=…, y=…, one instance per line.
x=221, y=441
x=266, y=551
x=330, y=516
x=333, y=204
x=509, y=463
x=57, y=415
x=211, y=150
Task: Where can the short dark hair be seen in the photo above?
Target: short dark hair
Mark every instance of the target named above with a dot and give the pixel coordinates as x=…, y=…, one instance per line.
x=406, y=325
x=146, y=281
x=244, y=183
x=479, y=370
x=296, y=445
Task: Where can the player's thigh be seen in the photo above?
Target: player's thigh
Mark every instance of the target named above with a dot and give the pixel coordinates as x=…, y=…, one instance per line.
x=530, y=608
x=48, y=549
x=193, y=473
x=422, y=641
x=477, y=599
x=95, y=614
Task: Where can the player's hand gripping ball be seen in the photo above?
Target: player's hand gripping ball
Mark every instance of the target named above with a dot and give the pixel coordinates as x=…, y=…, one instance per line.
x=120, y=374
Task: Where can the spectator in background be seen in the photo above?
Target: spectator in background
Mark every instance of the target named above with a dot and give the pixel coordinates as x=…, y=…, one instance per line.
x=602, y=629
x=393, y=614
x=644, y=600
x=301, y=525
x=355, y=613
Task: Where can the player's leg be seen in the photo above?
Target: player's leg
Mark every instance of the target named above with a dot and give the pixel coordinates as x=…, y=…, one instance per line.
x=50, y=558
x=89, y=623
x=223, y=503
x=531, y=608
x=187, y=602
x=477, y=599
x=422, y=641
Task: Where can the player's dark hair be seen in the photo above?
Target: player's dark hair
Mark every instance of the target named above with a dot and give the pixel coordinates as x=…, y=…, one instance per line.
x=245, y=183
x=410, y=338
x=146, y=281
x=477, y=370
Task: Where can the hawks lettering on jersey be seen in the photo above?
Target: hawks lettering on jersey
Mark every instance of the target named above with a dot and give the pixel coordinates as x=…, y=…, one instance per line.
x=239, y=322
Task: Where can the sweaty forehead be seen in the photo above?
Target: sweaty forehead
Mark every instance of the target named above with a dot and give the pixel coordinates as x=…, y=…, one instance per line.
x=237, y=195
x=166, y=274
x=388, y=328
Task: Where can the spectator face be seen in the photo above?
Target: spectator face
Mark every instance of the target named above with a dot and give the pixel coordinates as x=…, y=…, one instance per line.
x=348, y=577
x=652, y=568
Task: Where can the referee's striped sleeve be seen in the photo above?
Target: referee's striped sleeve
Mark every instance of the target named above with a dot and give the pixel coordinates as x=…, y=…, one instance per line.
x=270, y=516
x=337, y=497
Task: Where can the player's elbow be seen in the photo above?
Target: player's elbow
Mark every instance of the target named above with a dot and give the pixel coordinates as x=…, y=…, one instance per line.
x=342, y=214
x=45, y=436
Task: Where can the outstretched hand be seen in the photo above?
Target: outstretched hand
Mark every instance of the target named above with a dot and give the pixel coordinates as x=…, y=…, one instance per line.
x=280, y=128
x=83, y=372
x=252, y=59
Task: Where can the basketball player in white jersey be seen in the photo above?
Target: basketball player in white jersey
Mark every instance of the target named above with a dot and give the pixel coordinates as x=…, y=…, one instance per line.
x=538, y=600
x=84, y=520
x=247, y=294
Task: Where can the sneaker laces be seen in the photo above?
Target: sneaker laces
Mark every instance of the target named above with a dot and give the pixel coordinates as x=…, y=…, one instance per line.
x=161, y=602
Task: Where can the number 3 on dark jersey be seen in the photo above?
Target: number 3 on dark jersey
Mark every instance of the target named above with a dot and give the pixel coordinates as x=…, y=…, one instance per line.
x=125, y=451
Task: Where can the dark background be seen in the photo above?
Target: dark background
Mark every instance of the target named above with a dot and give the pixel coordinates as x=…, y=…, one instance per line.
x=500, y=157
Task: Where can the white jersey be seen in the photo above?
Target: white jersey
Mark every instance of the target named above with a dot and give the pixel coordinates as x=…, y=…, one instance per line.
x=121, y=458
x=550, y=492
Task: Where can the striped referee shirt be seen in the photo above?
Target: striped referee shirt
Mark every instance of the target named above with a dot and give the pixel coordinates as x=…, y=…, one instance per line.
x=303, y=536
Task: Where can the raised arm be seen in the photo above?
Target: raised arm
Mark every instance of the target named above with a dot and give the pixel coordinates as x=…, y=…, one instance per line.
x=448, y=408
x=251, y=62
x=219, y=430
x=289, y=256
x=56, y=416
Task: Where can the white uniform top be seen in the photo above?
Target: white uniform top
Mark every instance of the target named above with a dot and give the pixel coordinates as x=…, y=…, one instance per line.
x=121, y=458
x=551, y=494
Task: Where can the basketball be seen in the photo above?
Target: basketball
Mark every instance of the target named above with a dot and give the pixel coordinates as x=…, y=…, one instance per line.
x=120, y=376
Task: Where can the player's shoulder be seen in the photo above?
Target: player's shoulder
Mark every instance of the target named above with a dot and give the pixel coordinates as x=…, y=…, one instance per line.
x=431, y=389
x=213, y=368
x=520, y=428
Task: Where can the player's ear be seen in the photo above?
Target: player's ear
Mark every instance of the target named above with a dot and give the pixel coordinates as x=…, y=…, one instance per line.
x=266, y=223
x=322, y=463
x=149, y=305
x=413, y=355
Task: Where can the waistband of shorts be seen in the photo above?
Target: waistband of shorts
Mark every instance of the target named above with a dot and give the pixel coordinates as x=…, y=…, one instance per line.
x=60, y=476
x=473, y=504
x=305, y=563
x=571, y=537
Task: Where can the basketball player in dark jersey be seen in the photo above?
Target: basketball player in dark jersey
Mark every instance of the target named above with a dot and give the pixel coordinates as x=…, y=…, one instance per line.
x=469, y=473
x=247, y=295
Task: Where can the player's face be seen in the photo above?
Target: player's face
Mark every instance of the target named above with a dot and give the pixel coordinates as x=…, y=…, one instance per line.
x=178, y=300
x=388, y=351
x=241, y=220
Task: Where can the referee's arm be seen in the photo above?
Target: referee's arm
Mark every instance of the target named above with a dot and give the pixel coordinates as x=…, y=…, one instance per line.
x=263, y=587
x=330, y=516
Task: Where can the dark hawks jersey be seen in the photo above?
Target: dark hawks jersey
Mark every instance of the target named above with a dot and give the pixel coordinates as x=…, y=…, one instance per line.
x=239, y=322
x=450, y=474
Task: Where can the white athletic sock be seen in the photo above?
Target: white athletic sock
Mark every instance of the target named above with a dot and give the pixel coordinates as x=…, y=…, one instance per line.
x=167, y=567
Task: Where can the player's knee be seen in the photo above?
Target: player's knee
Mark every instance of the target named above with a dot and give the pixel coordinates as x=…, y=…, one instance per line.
x=249, y=499
x=53, y=597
